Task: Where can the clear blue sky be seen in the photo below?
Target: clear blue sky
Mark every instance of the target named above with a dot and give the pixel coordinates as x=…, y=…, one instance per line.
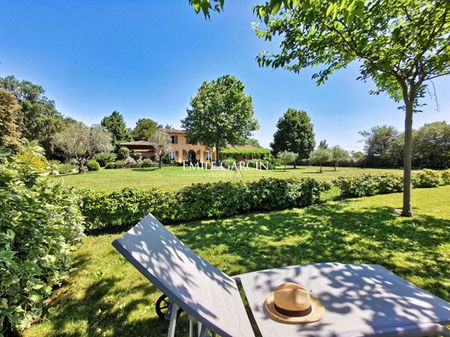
x=146, y=58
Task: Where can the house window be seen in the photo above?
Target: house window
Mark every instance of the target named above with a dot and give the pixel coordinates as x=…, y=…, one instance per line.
x=172, y=155
x=208, y=155
x=174, y=139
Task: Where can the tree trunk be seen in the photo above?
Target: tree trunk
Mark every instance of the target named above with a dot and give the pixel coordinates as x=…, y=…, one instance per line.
x=320, y=167
x=335, y=167
x=407, y=211
x=160, y=162
x=80, y=166
x=217, y=155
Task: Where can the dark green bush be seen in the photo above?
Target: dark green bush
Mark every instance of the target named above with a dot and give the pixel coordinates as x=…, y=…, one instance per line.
x=135, y=155
x=123, y=153
x=40, y=224
x=368, y=184
x=426, y=178
x=105, y=158
x=93, y=165
x=198, y=201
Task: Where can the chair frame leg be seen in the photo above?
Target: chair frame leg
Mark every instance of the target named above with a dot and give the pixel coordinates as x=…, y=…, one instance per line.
x=202, y=331
x=173, y=320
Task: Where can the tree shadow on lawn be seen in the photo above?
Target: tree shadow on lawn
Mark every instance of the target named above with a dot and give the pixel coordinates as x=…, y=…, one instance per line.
x=414, y=248
x=145, y=169
x=120, y=302
x=110, y=306
x=102, y=312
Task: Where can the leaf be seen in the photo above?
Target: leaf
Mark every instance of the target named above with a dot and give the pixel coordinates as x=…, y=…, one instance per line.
x=6, y=256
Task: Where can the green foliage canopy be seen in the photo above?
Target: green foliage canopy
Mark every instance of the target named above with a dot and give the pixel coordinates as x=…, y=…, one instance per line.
x=338, y=154
x=400, y=45
x=115, y=124
x=144, y=129
x=220, y=114
x=38, y=118
x=9, y=108
x=294, y=134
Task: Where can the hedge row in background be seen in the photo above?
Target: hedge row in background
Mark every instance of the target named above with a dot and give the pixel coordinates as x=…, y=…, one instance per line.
x=40, y=223
x=372, y=184
x=198, y=201
x=242, y=154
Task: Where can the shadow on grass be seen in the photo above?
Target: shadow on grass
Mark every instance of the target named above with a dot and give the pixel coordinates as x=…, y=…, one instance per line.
x=331, y=233
x=121, y=303
x=145, y=169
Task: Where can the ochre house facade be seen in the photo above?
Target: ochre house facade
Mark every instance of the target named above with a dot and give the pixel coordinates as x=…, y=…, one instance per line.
x=180, y=149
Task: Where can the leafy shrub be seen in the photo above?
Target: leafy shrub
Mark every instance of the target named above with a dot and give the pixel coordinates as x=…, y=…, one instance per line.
x=228, y=162
x=123, y=153
x=40, y=224
x=147, y=163
x=93, y=165
x=104, y=158
x=34, y=157
x=368, y=184
x=136, y=155
x=110, y=166
x=66, y=168
x=426, y=178
x=198, y=201
x=120, y=164
x=445, y=176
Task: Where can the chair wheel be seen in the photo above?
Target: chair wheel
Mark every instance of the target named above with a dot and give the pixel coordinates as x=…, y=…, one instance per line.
x=162, y=306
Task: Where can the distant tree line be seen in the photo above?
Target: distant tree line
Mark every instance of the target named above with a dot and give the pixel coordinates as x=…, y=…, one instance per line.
x=383, y=146
x=28, y=116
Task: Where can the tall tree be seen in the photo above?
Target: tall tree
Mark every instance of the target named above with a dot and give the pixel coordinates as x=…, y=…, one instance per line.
x=9, y=108
x=294, y=134
x=377, y=142
x=144, y=129
x=115, y=124
x=38, y=118
x=80, y=142
x=161, y=143
x=399, y=44
x=220, y=114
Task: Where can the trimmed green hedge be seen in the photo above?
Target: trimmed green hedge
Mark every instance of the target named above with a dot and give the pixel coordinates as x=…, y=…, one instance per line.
x=372, y=184
x=241, y=154
x=198, y=201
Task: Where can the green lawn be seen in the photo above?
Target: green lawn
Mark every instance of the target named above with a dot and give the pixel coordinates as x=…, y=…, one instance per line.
x=176, y=177
x=106, y=296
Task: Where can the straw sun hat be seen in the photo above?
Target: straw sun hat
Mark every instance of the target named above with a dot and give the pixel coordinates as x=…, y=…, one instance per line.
x=291, y=303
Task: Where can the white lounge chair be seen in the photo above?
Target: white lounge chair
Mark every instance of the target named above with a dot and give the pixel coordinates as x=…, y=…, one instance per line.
x=360, y=300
